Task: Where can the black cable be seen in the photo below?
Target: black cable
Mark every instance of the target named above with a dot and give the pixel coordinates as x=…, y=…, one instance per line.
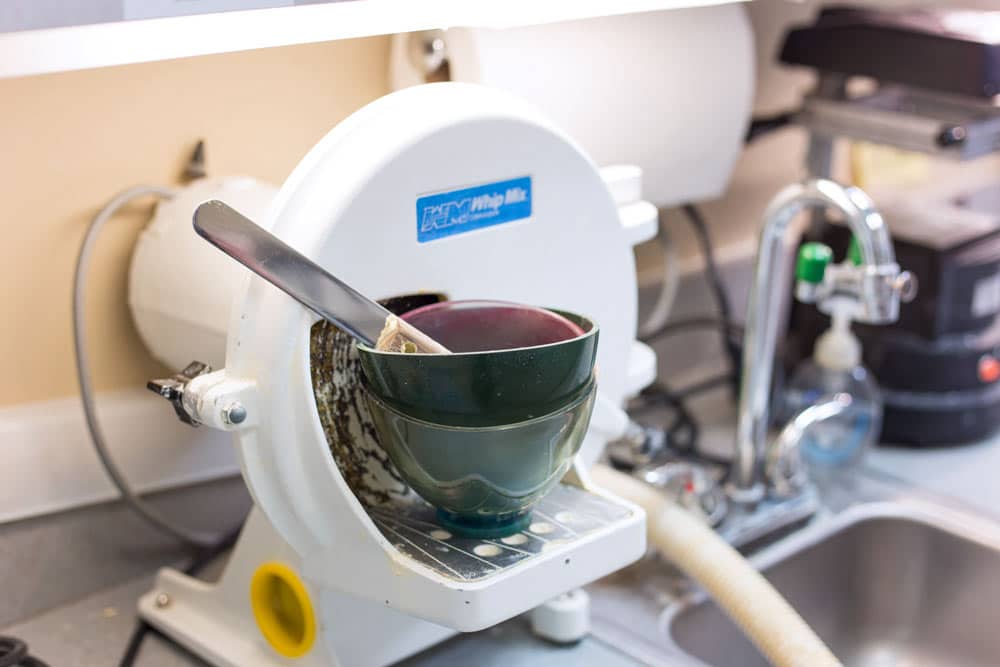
x=200, y=560
x=729, y=346
x=649, y=395
x=700, y=228
x=762, y=125
x=12, y=650
x=135, y=640
x=683, y=433
x=714, y=382
x=14, y=653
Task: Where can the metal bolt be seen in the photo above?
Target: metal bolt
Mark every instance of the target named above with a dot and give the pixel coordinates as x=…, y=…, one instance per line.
x=427, y=51
x=235, y=413
x=162, y=600
x=905, y=285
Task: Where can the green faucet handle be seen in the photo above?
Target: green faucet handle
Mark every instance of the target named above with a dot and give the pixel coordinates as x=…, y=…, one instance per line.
x=812, y=262
x=854, y=251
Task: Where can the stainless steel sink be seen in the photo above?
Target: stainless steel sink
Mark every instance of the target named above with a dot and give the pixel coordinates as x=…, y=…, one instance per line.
x=882, y=585
x=902, y=584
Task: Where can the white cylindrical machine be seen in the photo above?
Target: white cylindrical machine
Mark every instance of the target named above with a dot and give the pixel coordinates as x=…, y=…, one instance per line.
x=180, y=289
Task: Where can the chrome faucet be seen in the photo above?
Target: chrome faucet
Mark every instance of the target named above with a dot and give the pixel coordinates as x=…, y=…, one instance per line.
x=877, y=283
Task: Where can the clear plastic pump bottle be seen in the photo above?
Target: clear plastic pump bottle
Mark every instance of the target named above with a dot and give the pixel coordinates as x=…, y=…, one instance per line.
x=834, y=448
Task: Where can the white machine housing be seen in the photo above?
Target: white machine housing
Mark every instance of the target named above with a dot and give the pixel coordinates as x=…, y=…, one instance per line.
x=670, y=91
x=350, y=206
x=177, y=323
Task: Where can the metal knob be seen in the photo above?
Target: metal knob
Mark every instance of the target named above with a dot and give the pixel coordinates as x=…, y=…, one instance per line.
x=427, y=50
x=905, y=285
x=812, y=262
x=691, y=487
x=640, y=446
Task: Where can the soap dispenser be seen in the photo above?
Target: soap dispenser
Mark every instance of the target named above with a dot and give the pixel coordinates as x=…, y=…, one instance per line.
x=834, y=448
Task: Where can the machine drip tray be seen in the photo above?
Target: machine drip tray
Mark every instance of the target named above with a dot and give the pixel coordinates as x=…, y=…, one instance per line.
x=559, y=520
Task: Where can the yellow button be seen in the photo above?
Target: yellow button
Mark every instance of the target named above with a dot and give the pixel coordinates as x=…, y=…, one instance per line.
x=282, y=609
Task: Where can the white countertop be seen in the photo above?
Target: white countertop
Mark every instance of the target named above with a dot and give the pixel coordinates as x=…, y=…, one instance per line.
x=966, y=473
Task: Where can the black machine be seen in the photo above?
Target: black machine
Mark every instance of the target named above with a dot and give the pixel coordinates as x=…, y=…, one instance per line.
x=947, y=50
x=939, y=366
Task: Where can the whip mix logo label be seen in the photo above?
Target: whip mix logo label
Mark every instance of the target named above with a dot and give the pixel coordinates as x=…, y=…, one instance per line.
x=459, y=211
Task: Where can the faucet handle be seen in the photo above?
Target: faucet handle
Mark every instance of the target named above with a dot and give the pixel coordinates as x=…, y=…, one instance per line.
x=812, y=262
x=905, y=285
x=810, y=271
x=784, y=467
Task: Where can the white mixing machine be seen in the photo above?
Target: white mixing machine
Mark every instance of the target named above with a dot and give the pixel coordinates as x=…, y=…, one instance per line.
x=446, y=189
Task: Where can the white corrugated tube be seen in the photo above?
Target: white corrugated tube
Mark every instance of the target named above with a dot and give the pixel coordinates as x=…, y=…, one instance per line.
x=763, y=615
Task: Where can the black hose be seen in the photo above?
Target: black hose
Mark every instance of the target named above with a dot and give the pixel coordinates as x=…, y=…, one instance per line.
x=14, y=653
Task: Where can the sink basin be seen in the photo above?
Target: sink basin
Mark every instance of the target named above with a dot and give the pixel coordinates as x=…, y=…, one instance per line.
x=884, y=585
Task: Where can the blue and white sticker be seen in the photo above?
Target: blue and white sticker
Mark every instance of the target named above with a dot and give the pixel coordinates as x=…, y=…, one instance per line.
x=459, y=211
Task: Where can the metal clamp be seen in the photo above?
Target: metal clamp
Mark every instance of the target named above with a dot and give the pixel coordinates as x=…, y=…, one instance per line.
x=639, y=447
x=172, y=389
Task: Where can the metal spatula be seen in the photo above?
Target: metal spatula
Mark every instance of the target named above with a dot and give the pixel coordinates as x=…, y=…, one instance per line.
x=307, y=282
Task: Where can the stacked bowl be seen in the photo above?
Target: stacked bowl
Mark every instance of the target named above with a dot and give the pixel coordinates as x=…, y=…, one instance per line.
x=483, y=433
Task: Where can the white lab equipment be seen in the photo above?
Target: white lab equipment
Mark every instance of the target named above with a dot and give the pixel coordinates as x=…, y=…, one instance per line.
x=339, y=563
x=652, y=89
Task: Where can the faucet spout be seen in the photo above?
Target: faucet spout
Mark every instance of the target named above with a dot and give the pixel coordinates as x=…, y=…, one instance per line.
x=878, y=295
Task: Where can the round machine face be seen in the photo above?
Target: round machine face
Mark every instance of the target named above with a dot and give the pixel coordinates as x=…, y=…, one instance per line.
x=443, y=189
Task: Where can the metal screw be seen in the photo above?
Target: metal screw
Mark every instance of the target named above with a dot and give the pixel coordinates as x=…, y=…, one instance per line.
x=235, y=413
x=427, y=51
x=905, y=285
x=161, y=600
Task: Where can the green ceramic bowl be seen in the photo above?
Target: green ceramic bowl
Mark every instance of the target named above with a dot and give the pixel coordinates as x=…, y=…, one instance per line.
x=486, y=388
x=483, y=481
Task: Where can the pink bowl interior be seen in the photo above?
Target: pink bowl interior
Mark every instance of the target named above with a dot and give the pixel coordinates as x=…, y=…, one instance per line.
x=480, y=326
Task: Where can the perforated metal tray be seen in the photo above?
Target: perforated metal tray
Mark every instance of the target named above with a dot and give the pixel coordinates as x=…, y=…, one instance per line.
x=566, y=515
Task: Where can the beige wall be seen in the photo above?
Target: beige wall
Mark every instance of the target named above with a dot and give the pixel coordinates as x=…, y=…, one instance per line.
x=68, y=142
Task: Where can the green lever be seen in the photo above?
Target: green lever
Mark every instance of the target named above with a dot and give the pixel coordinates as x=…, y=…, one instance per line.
x=854, y=251
x=812, y=262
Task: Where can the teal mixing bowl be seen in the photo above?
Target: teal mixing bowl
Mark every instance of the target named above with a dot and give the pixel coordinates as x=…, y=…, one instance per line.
x=486, y=387
x=483, y=481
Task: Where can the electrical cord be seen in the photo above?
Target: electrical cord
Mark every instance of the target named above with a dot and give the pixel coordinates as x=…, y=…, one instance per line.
x=703, y=386
x=700, y=227
x=684, y=431
x=14, y=653
x=203, y=558
x=142, y=509
x=762, y=125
